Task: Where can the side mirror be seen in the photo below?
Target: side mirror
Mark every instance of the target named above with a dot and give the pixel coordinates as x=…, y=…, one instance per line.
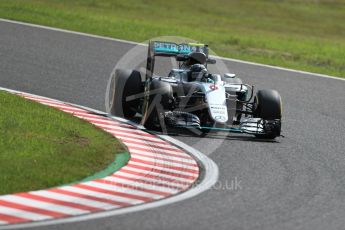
x=211, y=61
x=229, y=75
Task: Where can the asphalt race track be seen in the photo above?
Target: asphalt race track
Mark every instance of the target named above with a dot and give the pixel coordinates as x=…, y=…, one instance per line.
x=297, y=182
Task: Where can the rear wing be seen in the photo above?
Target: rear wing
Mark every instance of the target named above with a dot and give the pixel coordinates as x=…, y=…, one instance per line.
x=170, y=49
x=173, y=49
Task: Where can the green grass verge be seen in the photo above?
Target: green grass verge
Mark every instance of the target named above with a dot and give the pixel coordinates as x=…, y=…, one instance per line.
x=307, y=35
x=42, y=147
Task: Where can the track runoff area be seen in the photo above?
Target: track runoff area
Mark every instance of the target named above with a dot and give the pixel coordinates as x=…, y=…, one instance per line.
x=157, y=173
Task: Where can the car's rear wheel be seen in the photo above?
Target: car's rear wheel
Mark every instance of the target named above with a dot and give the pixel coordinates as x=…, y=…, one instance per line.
x=126, y=88
x=268, y=106
x=160, y=98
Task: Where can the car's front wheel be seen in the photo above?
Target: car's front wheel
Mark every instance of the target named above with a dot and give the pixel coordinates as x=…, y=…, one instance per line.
x=268, y=106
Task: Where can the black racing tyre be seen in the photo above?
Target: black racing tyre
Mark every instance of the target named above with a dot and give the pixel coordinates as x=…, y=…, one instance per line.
x=160, y=99
x=268, y=106
x=126, y=83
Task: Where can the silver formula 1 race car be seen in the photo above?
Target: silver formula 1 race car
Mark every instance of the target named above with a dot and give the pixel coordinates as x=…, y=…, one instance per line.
x=191, y=97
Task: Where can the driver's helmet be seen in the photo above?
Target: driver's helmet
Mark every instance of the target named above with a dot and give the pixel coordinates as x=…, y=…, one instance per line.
x=197, y=72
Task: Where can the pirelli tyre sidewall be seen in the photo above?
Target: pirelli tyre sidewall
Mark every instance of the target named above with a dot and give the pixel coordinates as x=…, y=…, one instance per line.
x=126, y=83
